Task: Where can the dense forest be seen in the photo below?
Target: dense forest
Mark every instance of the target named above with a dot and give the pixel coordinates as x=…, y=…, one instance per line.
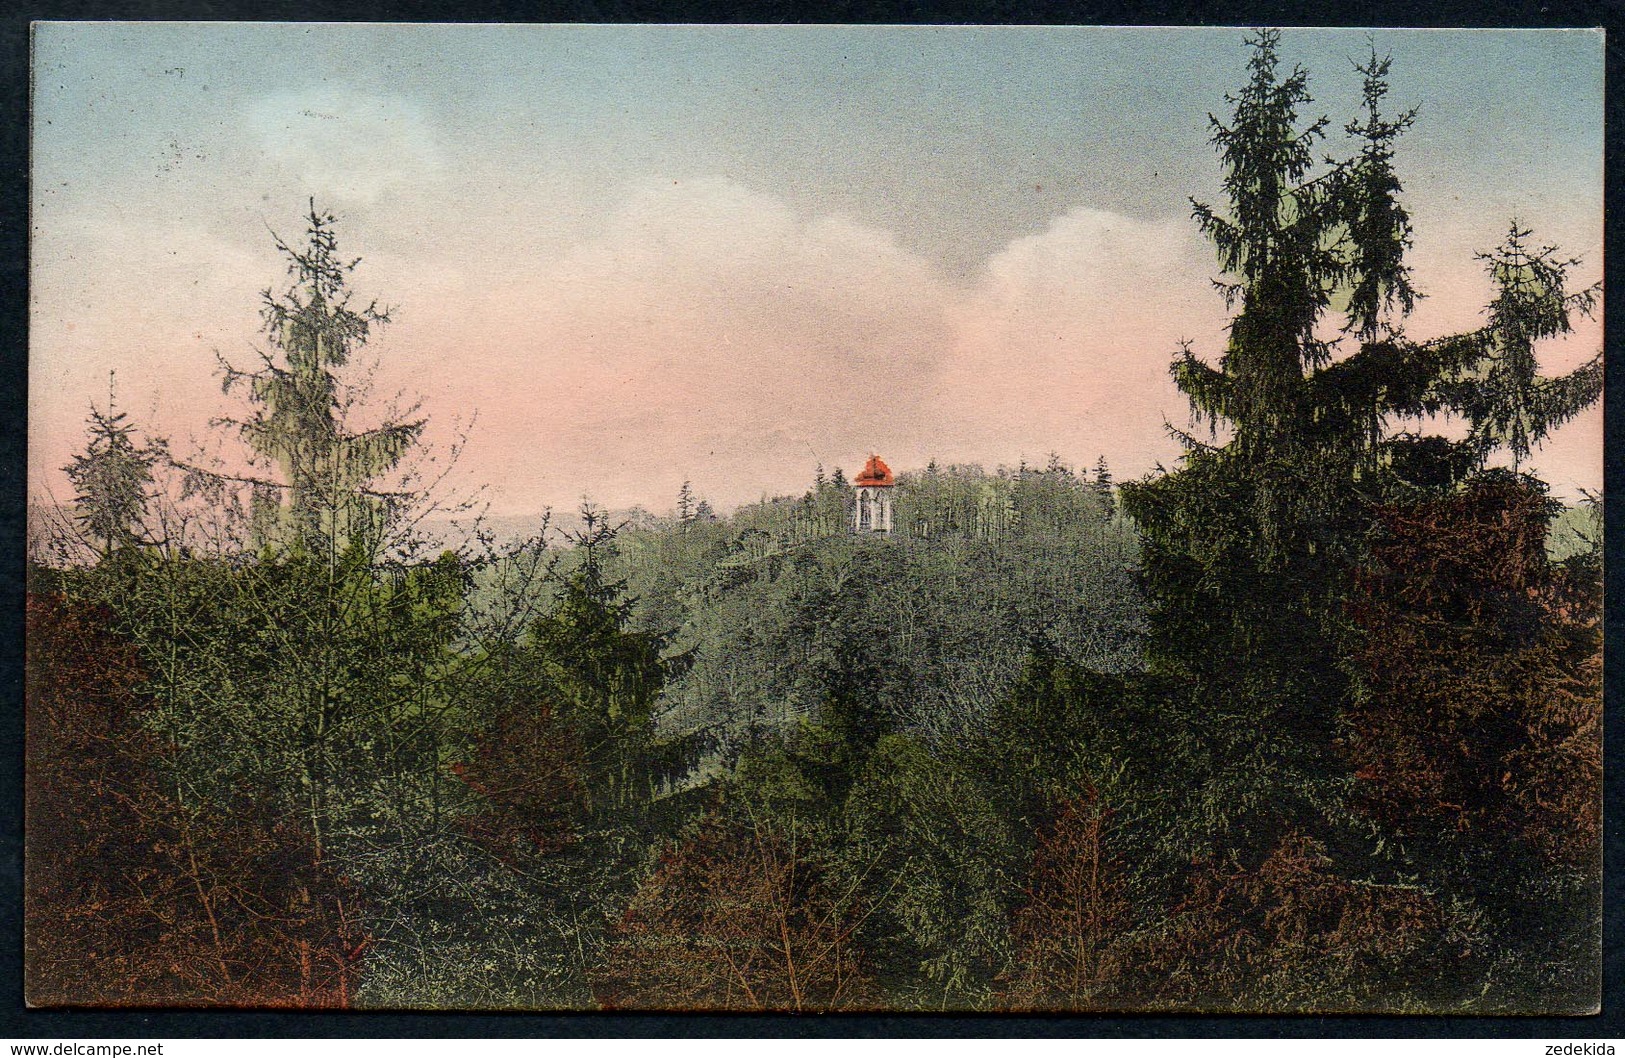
x=1310, y=721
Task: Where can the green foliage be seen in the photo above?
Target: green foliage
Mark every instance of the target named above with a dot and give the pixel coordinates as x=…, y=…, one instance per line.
x=608, y=677
x=1502, y=395
x=1248, y=547
x=112, y=478
x=323, y=498
x=1377, y=223
x=791, y=620
x=1311, y=722
x=140, y=891
x=925, y=836
x=1101, y=483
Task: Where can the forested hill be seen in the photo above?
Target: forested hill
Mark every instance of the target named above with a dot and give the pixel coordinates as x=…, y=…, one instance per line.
x=781, y=609
x=1309, y=722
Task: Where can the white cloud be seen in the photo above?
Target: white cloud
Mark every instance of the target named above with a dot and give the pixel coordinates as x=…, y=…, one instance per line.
x=1066, y=341
x=150, y=304
x=710, y=331
x=707, y=331
x=343, y=144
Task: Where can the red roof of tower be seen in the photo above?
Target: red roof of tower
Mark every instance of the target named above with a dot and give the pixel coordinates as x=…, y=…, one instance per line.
x=875, y=472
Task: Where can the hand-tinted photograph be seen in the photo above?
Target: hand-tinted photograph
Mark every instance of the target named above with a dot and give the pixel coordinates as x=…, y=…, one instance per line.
x=826, y=518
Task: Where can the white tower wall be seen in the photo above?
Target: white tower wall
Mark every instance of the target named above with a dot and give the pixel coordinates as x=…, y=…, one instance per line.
x=873, y=513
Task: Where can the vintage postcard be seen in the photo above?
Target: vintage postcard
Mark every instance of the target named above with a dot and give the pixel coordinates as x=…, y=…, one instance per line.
x=814, y=518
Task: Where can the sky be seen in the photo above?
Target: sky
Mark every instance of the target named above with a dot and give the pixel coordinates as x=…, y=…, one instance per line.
x=622, y=257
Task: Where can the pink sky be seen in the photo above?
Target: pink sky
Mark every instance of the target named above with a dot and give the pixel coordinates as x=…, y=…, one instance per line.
x=680, y=319
x=712, y=333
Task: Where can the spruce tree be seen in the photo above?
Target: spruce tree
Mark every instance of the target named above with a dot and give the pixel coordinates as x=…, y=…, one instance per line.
x=322, y=498
x=111, y=478
x=1379, y=227
x=1503, y=396
x=1248, y=549
x=608, y=676
x=1101, y=485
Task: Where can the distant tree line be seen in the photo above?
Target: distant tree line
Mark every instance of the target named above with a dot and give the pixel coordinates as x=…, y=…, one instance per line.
x=1309, y=722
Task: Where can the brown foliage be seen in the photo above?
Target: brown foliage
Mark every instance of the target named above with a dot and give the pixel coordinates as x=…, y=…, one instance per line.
x=526, y=768
x=736, y=917
x=135, y=897
x=1068, y=937
x=1481, y=665
x=1290, y=933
